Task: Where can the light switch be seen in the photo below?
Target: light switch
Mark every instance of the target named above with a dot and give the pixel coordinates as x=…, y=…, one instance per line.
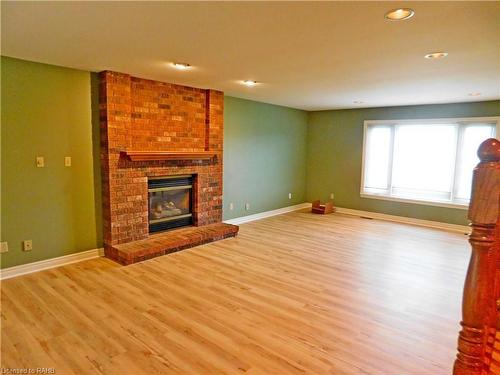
x=247, y=206
x=4, y=247
x=67, y=161
x=231, y=206
x=40, y=161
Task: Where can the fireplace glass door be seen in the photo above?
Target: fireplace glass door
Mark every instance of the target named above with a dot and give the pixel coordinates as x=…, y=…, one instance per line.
x=170, y=200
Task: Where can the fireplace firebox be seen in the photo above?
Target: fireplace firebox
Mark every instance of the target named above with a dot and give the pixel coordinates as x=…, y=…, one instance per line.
x=170, y=202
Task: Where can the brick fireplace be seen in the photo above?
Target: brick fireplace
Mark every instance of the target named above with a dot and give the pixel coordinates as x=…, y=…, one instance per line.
x=152, y=130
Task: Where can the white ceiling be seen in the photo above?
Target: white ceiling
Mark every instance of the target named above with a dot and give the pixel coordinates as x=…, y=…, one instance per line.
x=308, y=55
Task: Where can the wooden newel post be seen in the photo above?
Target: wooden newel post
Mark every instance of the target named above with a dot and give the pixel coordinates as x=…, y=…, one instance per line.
x=481, y=292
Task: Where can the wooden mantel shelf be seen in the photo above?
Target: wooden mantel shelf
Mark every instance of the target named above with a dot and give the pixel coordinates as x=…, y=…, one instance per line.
x=168, y=155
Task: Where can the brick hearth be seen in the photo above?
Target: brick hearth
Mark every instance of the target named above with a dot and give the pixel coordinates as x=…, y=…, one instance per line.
x=141, y=115
x=169, y=242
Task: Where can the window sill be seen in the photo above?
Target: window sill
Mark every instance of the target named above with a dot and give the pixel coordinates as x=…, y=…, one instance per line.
x=415, y=201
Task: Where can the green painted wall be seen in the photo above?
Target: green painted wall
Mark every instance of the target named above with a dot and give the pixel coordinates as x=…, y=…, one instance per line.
x=264, y=156
x=46, y=110
x=335, y=143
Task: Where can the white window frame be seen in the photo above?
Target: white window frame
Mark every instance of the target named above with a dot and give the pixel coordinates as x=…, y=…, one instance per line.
x=423, y=122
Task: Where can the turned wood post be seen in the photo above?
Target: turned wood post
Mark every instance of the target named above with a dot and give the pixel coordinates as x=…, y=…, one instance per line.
x=479, y=304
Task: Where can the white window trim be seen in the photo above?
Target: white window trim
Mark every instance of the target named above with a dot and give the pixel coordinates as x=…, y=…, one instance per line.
x=430, y=121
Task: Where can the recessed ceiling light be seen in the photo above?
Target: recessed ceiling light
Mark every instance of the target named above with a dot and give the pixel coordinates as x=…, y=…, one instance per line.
x=358, y=102
x=474, y=93
x=436, y=55
x=249, y=82
x=181, y=66
x=399, y=14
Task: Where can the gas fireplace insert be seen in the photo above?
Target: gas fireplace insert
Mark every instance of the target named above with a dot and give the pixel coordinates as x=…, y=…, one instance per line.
x=170, y=202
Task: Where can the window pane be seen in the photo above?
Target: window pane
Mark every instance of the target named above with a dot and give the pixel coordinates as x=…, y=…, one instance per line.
x=472, y=137
x=424, y=161
x=377, y=156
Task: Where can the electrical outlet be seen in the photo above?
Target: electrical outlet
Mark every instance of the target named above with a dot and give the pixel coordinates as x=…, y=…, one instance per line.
x=67, y=161
x=247, y=206
x=331, y=195
x=231, y=206
x=289, y=195
x=40, y=161
x=4, y=247
x=27, y=245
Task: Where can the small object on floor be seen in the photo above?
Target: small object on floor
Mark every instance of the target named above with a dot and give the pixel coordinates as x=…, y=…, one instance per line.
x=318, y=208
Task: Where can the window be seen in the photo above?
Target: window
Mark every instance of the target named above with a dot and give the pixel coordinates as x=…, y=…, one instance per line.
x=423, y=161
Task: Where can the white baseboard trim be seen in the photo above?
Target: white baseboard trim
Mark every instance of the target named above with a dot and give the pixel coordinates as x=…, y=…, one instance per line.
x=24, y=269
x=406, y=220
x=341, y=210
x=262, y=215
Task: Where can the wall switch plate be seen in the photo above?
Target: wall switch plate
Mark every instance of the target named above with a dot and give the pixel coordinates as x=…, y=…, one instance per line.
x=40, y=161
x=289, y=195
x=247, y=206
x=27, y=245
x=231, y=206
x=4, y=247
x=67, y=161
x=331, y=195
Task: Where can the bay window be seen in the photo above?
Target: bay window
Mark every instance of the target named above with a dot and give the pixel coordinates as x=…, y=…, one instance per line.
x=423, y=161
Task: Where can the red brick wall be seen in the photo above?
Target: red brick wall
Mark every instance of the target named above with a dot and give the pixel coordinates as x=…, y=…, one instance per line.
x=167, y=116
x=144, y=115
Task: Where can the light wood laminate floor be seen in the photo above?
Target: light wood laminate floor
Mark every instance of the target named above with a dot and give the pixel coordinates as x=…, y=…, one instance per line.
x=292, y=294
